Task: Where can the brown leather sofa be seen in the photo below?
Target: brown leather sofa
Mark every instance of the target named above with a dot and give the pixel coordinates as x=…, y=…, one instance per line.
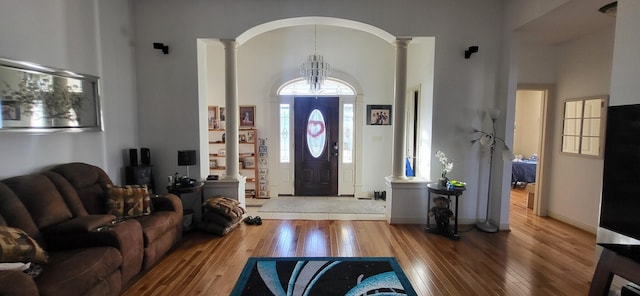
x=62, y=208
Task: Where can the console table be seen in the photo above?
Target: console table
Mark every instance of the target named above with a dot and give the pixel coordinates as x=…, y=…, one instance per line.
x=435, y=188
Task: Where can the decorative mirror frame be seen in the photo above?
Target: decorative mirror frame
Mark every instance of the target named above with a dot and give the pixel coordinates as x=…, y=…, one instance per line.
x=40, y=99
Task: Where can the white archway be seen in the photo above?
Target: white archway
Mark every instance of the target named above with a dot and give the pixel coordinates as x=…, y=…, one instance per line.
x=313, y=20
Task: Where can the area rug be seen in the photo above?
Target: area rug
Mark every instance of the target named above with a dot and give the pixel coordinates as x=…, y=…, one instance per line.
x=332, y=205
x=298, y=276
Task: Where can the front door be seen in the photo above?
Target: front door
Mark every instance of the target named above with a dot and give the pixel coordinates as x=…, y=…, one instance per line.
x=316, y=138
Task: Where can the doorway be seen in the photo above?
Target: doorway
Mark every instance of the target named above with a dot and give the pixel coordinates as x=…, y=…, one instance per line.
x=530, y=145
x=316, y=141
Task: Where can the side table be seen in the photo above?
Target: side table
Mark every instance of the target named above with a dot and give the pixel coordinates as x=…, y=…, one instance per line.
x=616, y=259
x=435, y=188
x=179, y=190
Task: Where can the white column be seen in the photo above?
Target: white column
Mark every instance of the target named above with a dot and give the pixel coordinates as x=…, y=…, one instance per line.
x=399, y=103
x=231, y=105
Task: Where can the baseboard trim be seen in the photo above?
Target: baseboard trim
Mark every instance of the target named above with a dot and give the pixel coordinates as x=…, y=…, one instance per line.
x=573, y=222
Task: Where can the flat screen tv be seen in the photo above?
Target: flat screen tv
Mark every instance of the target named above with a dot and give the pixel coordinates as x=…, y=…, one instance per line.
x=620, y=208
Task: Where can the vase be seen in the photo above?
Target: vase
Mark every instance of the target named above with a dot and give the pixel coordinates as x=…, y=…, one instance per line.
x=443, y=182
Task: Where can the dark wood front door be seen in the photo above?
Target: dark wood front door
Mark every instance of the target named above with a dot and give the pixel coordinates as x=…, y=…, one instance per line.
x=316, y=145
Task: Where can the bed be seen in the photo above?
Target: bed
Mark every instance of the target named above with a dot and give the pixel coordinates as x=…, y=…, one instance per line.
x=523, y=171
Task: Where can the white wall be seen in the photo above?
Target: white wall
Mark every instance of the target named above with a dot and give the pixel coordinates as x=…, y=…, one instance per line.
x=168, y=84
x=584, y=69
x=92, y=37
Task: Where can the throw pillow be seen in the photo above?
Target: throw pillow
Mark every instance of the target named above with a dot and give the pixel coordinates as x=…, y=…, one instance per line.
x=17, y=246
x=128, y=201
x=225, y=206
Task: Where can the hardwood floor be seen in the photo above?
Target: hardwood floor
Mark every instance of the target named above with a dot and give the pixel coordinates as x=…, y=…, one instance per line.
x=539, y=256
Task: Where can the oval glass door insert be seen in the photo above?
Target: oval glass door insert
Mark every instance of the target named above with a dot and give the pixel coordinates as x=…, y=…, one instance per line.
x=316, y=133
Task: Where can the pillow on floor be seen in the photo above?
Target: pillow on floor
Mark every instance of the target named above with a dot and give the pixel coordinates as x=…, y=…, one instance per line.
x=128, y=201
x=17, y=246
x=224, y=206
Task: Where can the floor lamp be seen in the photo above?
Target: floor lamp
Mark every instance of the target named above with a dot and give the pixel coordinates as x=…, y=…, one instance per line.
x=488, y=139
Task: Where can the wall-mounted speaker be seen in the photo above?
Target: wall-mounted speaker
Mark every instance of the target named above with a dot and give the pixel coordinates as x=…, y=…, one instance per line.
x=145, y=156
x=133, y=157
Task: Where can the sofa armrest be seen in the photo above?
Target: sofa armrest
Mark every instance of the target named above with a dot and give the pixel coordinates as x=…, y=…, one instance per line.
x=168, y=202
x=125, y=236
x=14, y=282
x=81, y=224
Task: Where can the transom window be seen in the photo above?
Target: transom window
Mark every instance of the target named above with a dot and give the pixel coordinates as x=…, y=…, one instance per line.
x=330, y=87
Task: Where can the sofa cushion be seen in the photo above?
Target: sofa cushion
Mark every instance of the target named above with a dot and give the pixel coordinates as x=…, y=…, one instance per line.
x=68, y=192
x=17, y=246
x=224, y=206
x=15, y=214
x=156, y=225
x=128, y=201
x=41, y=198
x=78, y=270
x=90, y=183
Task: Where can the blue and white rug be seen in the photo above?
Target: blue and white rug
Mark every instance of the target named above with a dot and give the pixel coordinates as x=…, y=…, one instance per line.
x=297, y=276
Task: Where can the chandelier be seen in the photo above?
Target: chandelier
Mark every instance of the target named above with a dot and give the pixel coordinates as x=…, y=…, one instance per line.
x=315, y=70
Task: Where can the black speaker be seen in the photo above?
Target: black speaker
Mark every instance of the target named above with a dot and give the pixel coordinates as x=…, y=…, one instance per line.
x=145, y=156
x=186, y=157
x=133, y=157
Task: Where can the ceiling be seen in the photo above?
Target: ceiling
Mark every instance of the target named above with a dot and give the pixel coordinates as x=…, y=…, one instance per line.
x=569, y=21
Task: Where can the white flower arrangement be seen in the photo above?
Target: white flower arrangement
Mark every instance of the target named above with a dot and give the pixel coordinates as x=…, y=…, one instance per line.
x=447, y=165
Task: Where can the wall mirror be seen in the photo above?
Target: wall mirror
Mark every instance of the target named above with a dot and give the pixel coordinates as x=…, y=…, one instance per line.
x=36, y=98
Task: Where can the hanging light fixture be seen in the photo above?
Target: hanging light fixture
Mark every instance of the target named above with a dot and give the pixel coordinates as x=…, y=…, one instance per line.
x=315, y=70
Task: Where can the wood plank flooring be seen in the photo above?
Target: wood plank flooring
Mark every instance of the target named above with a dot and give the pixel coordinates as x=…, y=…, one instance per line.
x=539, y=256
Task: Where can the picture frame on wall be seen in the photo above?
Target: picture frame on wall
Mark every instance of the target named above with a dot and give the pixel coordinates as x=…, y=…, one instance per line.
x=378, y=114
x=212, y=117
x=247, y=116
x=60, y=100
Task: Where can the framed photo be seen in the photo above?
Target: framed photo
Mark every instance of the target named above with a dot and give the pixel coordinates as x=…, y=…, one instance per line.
x=223, y=115
x=247, y=116
x=378, y=114
x=243, y=138
x=213, y=164
x=212, y=117
x=249, y=162
x=251, y=136
x=59, y=100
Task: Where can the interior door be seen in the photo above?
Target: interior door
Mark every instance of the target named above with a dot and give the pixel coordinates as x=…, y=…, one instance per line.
x=316, y=135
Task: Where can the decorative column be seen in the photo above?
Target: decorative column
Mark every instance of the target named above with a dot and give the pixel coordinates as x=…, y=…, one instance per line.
x=232, y=184
x=232, y=109
x=406, y=197
x=400, y=103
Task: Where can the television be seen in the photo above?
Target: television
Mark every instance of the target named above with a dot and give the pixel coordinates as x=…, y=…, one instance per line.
x=620, y=205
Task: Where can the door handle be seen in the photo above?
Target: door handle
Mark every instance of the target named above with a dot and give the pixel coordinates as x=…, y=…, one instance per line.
x=335, y=149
